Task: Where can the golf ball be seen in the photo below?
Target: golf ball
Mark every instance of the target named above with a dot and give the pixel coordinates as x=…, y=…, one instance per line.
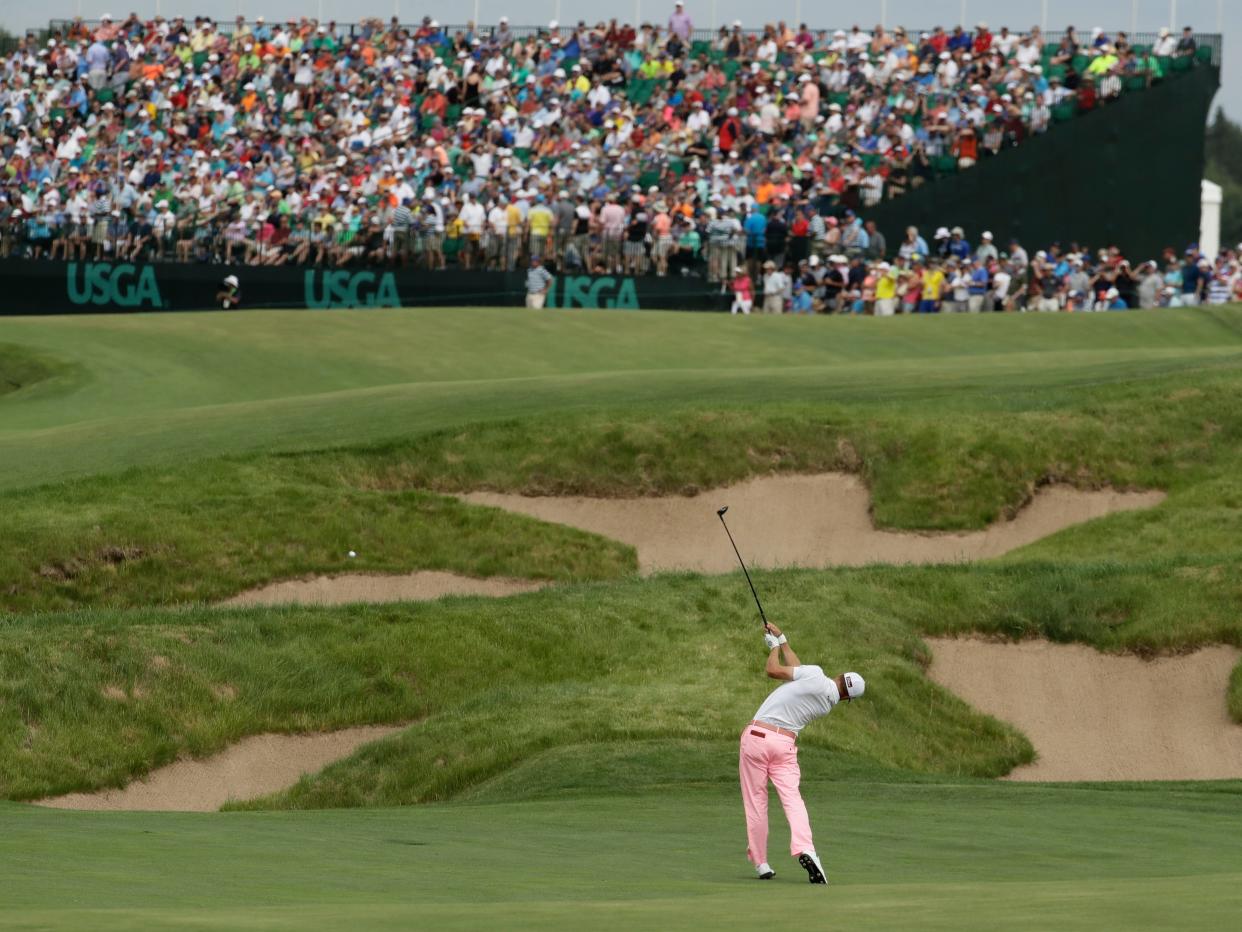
x=352, y=554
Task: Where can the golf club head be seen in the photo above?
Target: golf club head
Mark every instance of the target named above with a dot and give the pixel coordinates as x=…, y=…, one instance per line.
x=721, y=510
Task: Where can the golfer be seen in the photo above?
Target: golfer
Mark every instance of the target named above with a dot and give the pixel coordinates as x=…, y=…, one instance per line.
x=770, y=751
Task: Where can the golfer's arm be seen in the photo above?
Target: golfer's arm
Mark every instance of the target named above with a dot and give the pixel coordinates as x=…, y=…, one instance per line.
x=791, y=659
x=775, y=669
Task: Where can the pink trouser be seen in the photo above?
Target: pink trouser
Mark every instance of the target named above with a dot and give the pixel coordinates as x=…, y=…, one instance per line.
x=766, y=755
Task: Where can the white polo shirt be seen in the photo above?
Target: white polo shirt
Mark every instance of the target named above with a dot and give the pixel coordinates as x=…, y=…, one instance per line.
x=797, y=703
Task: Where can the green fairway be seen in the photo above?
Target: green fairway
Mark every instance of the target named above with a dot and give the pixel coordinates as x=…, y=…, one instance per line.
x=569, y=756
x=160, y=389
x=903, y=856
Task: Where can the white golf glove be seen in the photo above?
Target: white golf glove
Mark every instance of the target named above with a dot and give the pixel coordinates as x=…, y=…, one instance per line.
x=771, y=640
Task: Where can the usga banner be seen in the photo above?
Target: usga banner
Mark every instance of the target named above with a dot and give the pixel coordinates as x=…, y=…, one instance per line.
x=43, y=287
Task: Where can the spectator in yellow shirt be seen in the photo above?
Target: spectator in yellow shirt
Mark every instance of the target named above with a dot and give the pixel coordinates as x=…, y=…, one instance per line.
x=885, y=290
x=933, y=288
x=539, y=221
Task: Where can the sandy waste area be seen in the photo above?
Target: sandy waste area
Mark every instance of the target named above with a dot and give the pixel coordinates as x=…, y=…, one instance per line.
x=252, y=767
x=812, y=521
x=1096, y=716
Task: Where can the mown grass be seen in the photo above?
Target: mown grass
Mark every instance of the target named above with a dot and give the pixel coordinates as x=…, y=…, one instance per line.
x=903, y=855
x=168, y=389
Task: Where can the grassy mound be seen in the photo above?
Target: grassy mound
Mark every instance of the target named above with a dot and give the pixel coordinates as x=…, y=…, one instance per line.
x=951, y=422
x=20, y=368
x=205, y=530
x=94, y=699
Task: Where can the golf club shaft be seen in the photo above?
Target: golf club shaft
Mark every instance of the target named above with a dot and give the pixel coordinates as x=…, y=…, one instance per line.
x=758, y=604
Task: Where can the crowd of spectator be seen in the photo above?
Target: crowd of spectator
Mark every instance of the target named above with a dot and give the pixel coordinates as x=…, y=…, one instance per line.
x=952, y=274
x=604, y=149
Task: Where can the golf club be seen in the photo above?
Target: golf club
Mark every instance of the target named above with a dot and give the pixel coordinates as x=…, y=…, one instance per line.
x=720, y=513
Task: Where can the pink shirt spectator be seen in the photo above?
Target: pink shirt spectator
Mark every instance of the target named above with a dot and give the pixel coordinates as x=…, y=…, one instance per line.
x=679, y=23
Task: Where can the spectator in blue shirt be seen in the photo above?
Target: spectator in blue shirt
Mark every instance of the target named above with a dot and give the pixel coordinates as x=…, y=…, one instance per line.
x=913, y=247
x=958, y=247
x=1192, y=279
x=801, y=302
x=979, y=283
x=755, y=226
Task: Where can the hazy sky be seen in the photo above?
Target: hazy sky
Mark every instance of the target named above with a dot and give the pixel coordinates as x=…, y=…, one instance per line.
x=1148, y=15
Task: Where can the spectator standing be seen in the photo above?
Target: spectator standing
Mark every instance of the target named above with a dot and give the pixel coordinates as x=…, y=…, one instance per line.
x=933, y=288
x=1192, y=280
x=743, y=295
x=986, y=251
x=1002, y=279
x=1186, y=45
x=913, y=247
x=835, y=281
x=877, y=245
x=958, y=287
x=980, y=283
x=1150, y=285
x=774, y=284
x=679, y=23
x=755, y=226
x=885, y=290
x=538, y=282
x=912, y=287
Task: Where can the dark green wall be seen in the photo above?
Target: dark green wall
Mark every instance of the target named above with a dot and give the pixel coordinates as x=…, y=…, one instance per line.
x=1127, y=174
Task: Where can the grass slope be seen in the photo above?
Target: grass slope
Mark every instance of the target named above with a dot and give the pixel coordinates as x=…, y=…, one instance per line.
x=96, y=698
x=21, y=369
x=147, y=536
x=210, y=530
x=904, y=855
x=164, y=389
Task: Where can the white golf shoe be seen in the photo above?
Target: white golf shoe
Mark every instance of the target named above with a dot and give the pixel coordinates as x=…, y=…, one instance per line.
x=814, y=870
x=765, y=871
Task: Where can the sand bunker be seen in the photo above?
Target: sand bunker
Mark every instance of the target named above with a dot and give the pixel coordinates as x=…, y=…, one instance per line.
x=253, y=767
x=1094, y=716
x=413, y=587
x=813, y=521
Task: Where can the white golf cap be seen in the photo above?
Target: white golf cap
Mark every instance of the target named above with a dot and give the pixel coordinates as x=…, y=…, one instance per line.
x=854, y=686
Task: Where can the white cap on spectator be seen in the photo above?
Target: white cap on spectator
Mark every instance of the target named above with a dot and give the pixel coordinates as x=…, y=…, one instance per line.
x=987, y=234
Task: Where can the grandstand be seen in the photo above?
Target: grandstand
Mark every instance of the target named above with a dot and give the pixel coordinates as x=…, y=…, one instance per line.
x=608, y=151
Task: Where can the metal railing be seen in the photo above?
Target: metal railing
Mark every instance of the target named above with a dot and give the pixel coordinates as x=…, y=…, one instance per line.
x=1212, y=40
x=217, y=240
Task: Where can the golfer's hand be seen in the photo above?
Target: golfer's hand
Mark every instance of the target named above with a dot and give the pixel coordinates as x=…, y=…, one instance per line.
x=771, y=641
x=772, y=629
